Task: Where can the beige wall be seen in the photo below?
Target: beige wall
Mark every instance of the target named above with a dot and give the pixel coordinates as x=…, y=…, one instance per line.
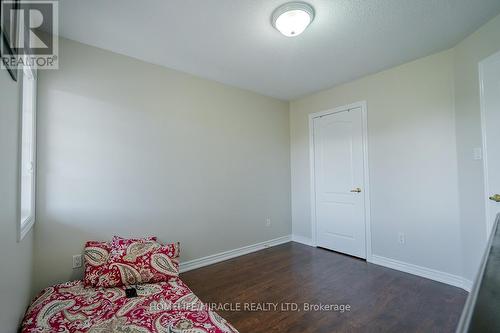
x=133, y=149
x=478, y=46
x=424, y=122
x=412, y=156
x=15, y=257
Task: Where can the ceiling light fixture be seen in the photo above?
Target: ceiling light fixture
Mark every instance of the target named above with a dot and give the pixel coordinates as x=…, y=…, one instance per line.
x=291, y=19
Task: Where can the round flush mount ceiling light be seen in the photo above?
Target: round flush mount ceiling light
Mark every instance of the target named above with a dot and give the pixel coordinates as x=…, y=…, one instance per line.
x=291, y=19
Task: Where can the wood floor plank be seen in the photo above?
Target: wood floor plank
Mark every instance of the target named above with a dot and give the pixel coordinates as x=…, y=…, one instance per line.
x=381, y=299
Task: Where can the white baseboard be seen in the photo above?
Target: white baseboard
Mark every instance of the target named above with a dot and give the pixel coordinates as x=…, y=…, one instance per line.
x=302, y=240
x=222, y=256
x=425, y=272
x=467, y=285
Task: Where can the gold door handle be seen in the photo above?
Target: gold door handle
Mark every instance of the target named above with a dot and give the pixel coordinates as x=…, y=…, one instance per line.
x=495, y=198
x=356, y=190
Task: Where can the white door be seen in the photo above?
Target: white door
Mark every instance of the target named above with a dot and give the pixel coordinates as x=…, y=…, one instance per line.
x=490, y=99
x=339, y=182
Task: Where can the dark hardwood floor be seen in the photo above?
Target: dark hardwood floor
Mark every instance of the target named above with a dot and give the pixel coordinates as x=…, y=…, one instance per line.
x=381, y=299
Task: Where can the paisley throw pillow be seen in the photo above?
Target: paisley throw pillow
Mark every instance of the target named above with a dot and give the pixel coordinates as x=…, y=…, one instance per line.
x=133, y=262
x=96, y=255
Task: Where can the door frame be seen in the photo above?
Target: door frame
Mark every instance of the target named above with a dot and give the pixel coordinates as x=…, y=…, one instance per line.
x=482, y=63
x=366, y=185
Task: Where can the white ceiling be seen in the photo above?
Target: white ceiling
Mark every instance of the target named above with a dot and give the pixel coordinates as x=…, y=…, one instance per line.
x=233, y=42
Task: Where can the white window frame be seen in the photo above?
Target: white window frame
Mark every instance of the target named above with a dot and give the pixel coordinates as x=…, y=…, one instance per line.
x=24, y=226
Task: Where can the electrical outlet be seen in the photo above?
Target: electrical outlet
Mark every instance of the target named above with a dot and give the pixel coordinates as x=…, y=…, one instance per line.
x=268, y=222
x=77, y=261
x=477, y=154
x=401, y=238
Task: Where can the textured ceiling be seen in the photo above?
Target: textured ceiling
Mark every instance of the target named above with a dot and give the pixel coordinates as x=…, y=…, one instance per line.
x=233, y=42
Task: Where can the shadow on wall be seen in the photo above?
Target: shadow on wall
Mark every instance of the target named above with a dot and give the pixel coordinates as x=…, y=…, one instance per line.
x=44, y=267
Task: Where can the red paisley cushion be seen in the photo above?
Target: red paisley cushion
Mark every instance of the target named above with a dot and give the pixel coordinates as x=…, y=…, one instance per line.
x=121, y=240
x=120, y=243
x=96, y=256
x=133, y=262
